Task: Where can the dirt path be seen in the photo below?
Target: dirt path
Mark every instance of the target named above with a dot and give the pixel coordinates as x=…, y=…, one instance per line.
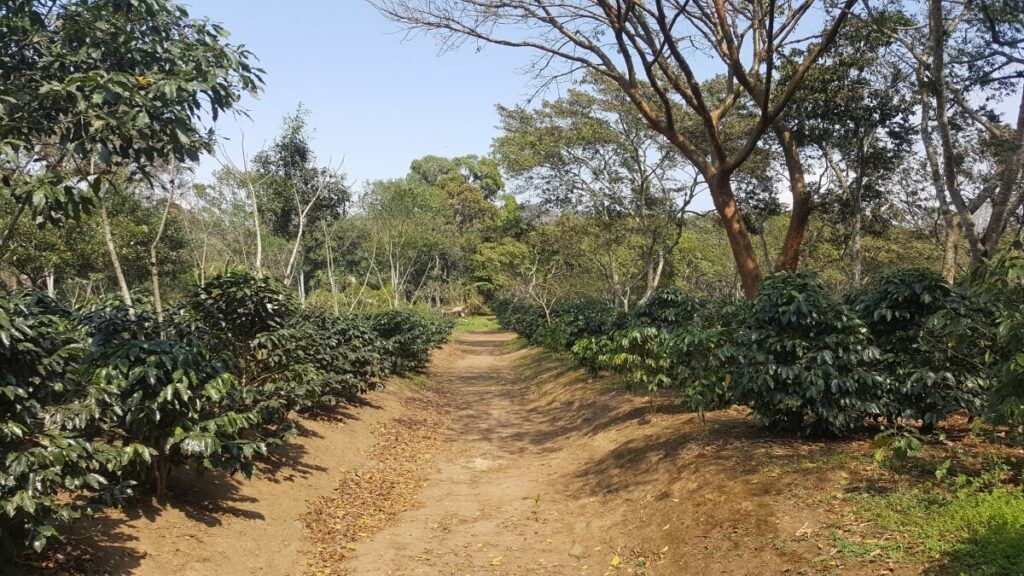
x=549, y=472
x=498, y=501
x=513, y=494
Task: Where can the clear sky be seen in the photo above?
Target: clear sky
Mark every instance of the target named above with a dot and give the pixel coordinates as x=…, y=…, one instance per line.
x=377, y=101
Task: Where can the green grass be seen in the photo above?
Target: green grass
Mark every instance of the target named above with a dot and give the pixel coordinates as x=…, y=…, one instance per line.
x=963, y=527
x=477, y=324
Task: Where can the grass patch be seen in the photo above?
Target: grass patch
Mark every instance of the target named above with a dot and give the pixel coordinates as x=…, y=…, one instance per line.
x=964, y=526
x=477, y=324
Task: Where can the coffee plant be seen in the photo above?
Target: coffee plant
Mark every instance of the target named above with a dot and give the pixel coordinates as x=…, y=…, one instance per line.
x=805, y=363
x=51, y=466
x=925, y=378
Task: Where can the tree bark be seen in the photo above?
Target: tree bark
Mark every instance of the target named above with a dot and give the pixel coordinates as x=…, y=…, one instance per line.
x=800, y=216
x=937, y=39
x=739, y=238
x=5, y=241
x=950, y=218
x=1008, y=199
x=108, y=236
x=330, y=270
x=154, y=268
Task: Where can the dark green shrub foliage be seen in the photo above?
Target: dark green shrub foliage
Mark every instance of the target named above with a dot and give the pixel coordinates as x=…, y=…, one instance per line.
x=408, y=336
x=342, y=353
x=925, y=378
x=48, y=461
x=114, y=394
x=667, y=308
x=804, y=361
x=171, y=394
x=703, y=354
x=522, y=318
x=991, y=332
x=584, y=318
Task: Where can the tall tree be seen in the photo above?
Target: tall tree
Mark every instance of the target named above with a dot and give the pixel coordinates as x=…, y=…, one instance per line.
x=92, y=87
x=855, y=110
x=648, y=50
x=592, y=153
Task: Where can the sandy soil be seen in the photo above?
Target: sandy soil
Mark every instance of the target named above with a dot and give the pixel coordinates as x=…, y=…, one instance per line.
x=549, y=472
x=534, y=469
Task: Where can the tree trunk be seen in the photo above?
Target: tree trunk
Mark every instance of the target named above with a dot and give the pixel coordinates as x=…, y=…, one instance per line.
x=51, y=284
x=950, y=218
x=5, y=241
x=258, y=263
x=108, y=236
x=800, y=214
x=937, y=38
x=1008, y=199
x=747, y=268
x=654, y=271
x=330, y=270
x=154, y=268
x=855, y=248
x=857, y=206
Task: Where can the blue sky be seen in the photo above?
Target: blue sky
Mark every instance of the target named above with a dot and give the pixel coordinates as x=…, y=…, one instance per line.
x=377, y=102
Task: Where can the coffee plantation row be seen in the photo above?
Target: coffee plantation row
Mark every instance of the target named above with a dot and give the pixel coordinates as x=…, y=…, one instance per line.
x=97, y=404
x=904, y=351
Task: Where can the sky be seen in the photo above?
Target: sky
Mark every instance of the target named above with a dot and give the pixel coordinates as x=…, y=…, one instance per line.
x=377, y=101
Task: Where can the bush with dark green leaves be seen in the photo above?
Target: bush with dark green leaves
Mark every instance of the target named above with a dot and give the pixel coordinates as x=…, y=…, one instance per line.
x=50, y=464
x=690, y=352
x=92, y=403
x=986, y=326
x=580, y=319
x=408, y=336
x=170, y=393
x=704, y=353
x=925, y=378
x=804, y=361
x=341, y=353
x=667, y=308
x=523, y=318
x=248, y=317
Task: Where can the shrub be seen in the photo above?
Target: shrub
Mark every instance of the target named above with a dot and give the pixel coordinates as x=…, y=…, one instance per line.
x=925, y=378
x=344, y=352
x=583, y=318
x=991, y=331
x=248, y=317
x=641, y=357
x=408, y=336
x=520, y=317
x=804, y=362
x=703, y=355
x=668, y=308
x=49, y=465
x=170, y=394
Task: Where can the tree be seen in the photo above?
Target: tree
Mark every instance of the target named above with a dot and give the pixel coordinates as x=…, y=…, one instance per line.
x=642, y=48
x=961, y=53
x=592, y=153
x=297, y=193
x=407, y=231
x=855, y=110
x=92, y=87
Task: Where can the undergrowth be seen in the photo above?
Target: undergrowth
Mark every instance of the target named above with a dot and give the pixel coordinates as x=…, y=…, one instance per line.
x=960, y=525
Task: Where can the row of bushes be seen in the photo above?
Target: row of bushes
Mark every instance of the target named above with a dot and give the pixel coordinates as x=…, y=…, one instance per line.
x=95, y=402
x=906, y=349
